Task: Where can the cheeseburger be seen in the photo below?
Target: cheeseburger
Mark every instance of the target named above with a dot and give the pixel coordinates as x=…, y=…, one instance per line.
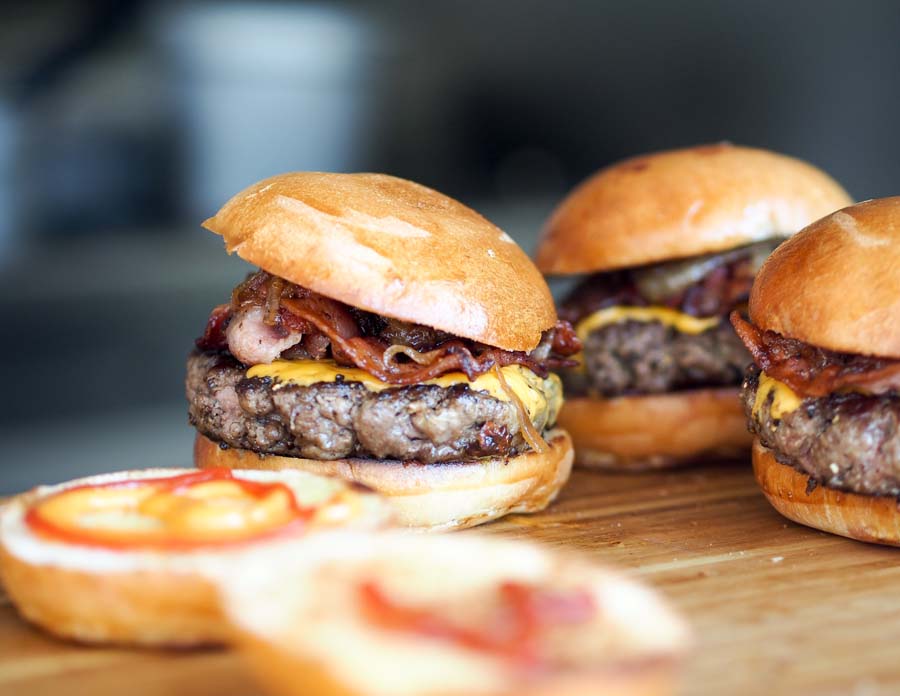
x=391, y=336
x=666, y=246
x=823, y=395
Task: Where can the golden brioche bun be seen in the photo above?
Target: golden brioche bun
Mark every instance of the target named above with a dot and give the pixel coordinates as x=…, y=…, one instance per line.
x=393, y=247
x=837, y=283
x=869, y=518
x=299, y=621
x=682, y=203
x=655, y=431
x=430, y=496
x=141, y=597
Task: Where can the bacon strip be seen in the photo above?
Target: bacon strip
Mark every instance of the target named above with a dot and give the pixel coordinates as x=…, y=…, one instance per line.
x=368, y=352
x=816, y=372
x=375, y=344
x=213, y=338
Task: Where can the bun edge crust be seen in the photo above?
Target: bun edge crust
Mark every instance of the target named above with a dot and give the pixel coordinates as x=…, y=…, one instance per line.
x=146, y=608
x=656, y=431
x=869, y=518
x=835, y=284
x=431, y=496
x=278, y=669
x=95, y=595
x=393, y=247
x=682, y=203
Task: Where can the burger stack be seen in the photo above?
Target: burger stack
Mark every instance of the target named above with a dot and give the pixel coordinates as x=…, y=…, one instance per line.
x=396, y=362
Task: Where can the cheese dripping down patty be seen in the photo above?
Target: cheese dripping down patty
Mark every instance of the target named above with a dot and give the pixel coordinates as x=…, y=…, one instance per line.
x=784, y=399
x=539, y=396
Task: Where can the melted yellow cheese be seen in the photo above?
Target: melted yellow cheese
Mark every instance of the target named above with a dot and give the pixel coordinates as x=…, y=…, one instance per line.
x=784, y=399
x=541, y=397
x=209, y=511
x=679, y=321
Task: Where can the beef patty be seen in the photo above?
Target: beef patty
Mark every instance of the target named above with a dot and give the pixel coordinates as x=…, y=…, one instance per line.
x=845, y=441
x=334, y=420
x=638, y=357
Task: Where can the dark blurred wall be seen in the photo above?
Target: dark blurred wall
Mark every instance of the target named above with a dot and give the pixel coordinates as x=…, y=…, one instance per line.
x=123, y=124
x=580, y=84
x=131, y=113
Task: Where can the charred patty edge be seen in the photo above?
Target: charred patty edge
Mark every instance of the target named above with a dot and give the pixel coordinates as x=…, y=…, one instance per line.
x=845, y=441
x=345, y=420
x=639, y=358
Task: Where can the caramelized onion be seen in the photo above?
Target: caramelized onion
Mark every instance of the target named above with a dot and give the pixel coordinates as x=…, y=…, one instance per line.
x=248, y=290
x=273, y=297
x=658, y=282
x=529, y=432
x=416, y=356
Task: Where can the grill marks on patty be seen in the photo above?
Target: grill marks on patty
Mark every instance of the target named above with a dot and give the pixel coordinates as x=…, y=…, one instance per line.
x=846, y=441
x=636, y=357
x=336, y=420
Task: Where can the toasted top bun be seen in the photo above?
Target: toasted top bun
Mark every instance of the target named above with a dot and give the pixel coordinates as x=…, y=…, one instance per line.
x=356, y=508
x=308, y=605
x=837, y=283
x=682, y=203
x=393, y=247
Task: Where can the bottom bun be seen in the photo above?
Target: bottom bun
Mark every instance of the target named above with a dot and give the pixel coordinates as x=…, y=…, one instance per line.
x=279, y=670
x=440, y=496
x=870, y=518
x=656, y=431
x=148, y=608
x=302, y=621
x=149, y=597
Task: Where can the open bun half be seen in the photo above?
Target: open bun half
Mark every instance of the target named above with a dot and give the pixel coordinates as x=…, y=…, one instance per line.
x=656, y=431
x=304, y=630
x=431, y=496
x=393, y=247
x=141, y=597
x=875, y=519
x=682, y=203
x=836, y=284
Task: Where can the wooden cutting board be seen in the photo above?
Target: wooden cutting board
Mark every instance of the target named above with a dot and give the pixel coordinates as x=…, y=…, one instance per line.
x=776, y=608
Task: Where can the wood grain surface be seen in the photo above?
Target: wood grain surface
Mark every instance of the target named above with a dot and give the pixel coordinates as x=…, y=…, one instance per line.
x=776, y=608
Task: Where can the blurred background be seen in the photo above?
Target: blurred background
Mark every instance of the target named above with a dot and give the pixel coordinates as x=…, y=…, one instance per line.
x=124, y=124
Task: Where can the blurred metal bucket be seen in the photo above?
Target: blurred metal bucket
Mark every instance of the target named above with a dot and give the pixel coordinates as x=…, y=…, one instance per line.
x=266, y=88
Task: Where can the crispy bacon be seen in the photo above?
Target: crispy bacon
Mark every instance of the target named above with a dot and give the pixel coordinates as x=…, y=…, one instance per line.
x=213, y=338
x=368, y=352
x=564, y=340
x=812, y=371
x=396, y=352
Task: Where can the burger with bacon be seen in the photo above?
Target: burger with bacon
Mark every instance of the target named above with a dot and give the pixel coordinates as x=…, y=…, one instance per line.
x=664, y=247
x=391, y=336
x=823, y=394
